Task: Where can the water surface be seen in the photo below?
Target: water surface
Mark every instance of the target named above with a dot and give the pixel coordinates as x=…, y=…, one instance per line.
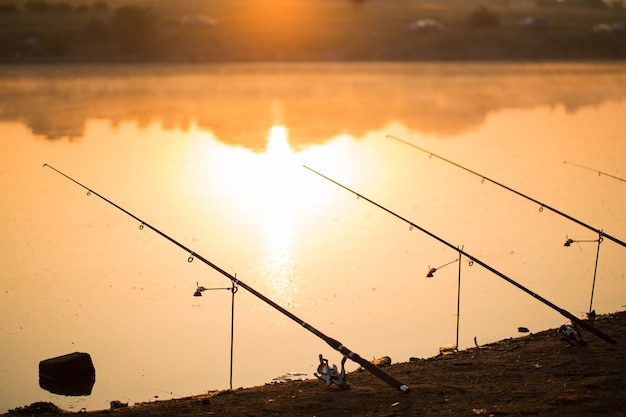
x=212, y=156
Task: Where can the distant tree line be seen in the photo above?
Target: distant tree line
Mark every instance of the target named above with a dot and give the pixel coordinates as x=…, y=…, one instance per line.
x=139, y=33
x=41, y=6
x=133, y=29
x=482, y=18
x=598, y=4
x=592, y=4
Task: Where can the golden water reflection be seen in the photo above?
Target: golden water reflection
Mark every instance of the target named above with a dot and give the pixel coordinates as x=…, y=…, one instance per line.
x=238, y=103
x=278, y=205
x=78, y=274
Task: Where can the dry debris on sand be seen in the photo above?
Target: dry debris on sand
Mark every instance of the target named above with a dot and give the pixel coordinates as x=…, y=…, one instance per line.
x=538, y=374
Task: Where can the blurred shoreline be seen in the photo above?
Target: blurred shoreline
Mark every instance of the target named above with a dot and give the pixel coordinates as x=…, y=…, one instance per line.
x=310, y=31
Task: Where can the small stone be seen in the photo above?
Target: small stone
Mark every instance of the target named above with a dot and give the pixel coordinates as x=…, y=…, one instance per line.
x=118, y=404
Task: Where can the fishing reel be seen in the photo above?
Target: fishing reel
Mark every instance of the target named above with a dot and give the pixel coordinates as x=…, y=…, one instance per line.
x=571, y=335
x=329, y=375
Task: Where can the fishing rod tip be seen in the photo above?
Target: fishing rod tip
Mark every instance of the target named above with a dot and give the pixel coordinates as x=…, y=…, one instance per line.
x=44, y=165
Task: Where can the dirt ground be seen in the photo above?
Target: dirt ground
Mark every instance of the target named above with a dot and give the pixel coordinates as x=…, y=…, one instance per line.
x=538, y=374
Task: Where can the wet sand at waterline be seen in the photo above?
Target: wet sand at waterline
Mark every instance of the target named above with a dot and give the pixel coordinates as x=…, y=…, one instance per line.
x=537, y=374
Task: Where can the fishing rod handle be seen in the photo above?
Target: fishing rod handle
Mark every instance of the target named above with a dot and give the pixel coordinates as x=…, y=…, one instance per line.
x=367, y=365
x=588, y=327
x=375, y=370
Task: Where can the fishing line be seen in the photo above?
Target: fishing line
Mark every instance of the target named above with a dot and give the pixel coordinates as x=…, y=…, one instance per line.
x=541, y=205
x=563, y=312
x=335, y=344
x=600, y=173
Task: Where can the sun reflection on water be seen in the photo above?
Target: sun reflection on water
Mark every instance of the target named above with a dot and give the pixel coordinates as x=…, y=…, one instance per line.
x=278, y=207
x=261, y=191
x=278, y=202
x=265, y=197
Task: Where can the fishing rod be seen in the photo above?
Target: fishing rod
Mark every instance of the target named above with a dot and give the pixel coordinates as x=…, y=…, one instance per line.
x=542, y=205
x=563, y=312
x=335, y=344
x=600, y=173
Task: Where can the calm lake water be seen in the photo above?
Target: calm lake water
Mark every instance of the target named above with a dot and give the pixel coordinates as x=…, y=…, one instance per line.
x=213, y=155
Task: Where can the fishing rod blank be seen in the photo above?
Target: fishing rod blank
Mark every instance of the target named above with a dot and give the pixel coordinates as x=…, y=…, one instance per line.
x=563, y=312
x=542, y=205
x=600, y=173
x=338, y=346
